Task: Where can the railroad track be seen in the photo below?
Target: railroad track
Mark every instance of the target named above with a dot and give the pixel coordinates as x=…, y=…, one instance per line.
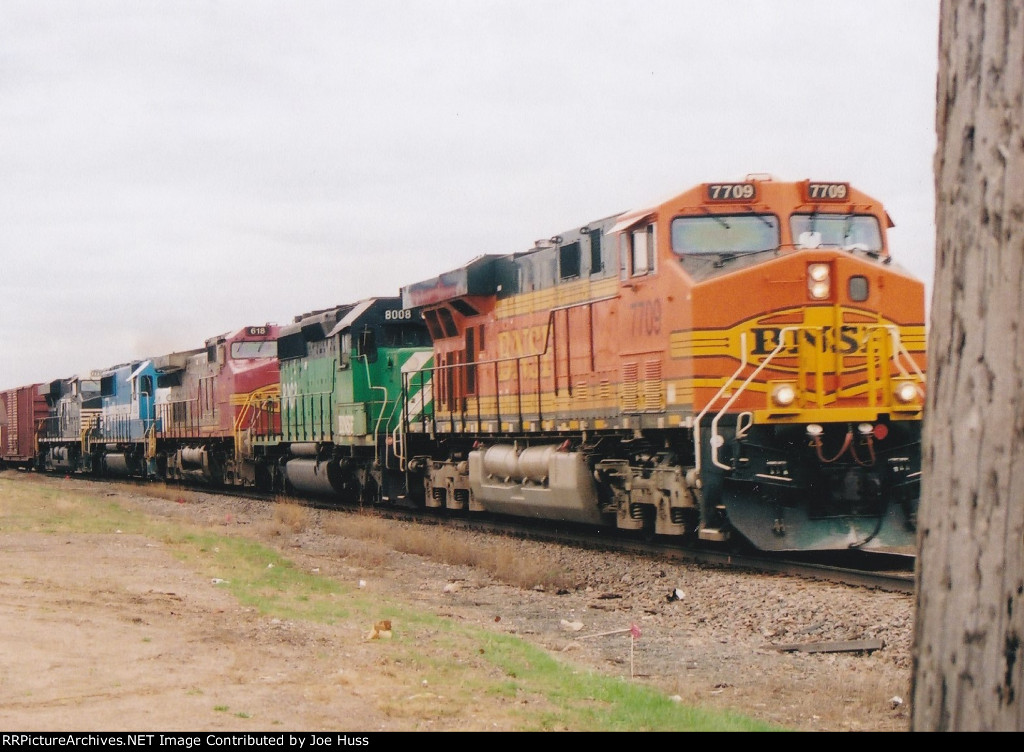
x=856, y=568
x=868, y=570
x=897, y=576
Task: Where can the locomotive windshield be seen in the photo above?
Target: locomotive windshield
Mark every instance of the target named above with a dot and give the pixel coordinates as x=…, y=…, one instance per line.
x=254, y=350
x=404, y=335
x=848, y=231
x=725, y=233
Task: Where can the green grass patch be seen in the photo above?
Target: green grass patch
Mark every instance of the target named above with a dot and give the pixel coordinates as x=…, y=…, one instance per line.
x=457, y=661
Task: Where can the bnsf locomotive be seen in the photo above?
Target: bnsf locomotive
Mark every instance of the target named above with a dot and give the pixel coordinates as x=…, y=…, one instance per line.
x=743, y=361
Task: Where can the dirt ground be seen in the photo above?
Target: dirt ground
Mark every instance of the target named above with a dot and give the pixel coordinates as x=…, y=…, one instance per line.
x=110, y=632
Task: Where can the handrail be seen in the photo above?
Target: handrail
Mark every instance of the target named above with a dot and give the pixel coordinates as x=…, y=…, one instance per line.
x=742, y=388
x=899, y=348
x=249, y=409
x=896, y=356
x=718, y=394
x=150, y=435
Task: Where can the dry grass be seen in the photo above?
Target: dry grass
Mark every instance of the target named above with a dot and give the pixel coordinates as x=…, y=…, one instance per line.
x=496, y=556
x=172, y=493
x=354, y=525
x=291, y=515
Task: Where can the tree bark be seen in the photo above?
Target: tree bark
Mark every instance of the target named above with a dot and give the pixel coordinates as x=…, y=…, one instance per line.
x=968, y=658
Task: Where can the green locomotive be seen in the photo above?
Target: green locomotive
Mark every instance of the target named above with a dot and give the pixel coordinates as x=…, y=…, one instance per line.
x=341, y=400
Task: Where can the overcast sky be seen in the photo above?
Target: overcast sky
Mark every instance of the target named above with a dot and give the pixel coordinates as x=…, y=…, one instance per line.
x=177, y=169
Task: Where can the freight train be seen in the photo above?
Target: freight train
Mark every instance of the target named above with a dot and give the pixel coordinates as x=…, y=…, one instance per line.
x=741, y=362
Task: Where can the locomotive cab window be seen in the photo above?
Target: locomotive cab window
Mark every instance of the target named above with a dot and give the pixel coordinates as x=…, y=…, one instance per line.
x=464, y=308
x=169, y=380
x=89, y=390
x=569, y=261
x=144, y=385
x=725, y=233
x=848, y=231
x=404, y=335
x=253, y=350
x=433, y=324
x=596, y=260
x=638, y=250
x=344, y=350
x=368, y=345
x=447, y=322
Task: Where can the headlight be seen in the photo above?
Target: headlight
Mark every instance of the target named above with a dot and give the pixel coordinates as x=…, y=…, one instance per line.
x=819, y=283
x=905, y=392
x=783, y=395
x=818, y=272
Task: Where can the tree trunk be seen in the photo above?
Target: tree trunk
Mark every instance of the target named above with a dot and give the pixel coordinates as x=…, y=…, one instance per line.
x=968, y=666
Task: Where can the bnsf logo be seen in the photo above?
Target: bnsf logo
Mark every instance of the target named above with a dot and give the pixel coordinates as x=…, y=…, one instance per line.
x=847, y=340
x=398, y=315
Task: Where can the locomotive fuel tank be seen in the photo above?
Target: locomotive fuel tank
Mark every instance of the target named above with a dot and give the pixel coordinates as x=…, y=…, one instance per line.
x=120, y=464
x=194, y=462
x=314, y=477
x=537, y=481
x=59, y=459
